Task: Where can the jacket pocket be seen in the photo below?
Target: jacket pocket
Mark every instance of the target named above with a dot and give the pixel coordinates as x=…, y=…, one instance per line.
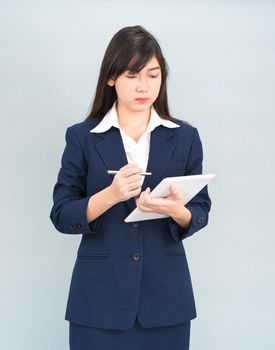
x=93, y=256
x=173, y=254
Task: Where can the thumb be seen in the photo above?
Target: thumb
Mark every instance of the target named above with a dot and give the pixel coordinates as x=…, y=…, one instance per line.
x=174, y=191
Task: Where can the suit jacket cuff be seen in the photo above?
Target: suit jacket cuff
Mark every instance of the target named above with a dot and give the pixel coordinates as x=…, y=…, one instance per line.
x=71, y=218
x=198, y=221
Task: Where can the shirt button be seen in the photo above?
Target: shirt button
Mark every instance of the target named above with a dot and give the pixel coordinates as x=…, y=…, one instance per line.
x=135, y=224
x=136, y=256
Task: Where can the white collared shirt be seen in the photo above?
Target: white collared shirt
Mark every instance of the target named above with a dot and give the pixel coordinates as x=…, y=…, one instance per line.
x=136, y=152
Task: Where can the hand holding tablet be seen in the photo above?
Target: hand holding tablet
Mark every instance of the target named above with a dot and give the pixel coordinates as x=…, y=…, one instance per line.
x=190, y=185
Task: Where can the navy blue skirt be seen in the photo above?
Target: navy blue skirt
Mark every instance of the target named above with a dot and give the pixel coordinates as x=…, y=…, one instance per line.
x=174, y=337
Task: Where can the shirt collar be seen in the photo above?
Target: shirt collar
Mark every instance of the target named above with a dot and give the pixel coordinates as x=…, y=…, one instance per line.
x=110, y=119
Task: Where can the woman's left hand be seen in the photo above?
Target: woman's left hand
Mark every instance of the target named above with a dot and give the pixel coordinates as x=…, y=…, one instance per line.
x=164, y=205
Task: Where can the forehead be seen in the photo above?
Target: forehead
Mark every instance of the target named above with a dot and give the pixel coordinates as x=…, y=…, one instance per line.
x=152, y=63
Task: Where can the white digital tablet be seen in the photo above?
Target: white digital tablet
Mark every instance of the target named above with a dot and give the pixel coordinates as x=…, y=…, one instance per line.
x=190, y=185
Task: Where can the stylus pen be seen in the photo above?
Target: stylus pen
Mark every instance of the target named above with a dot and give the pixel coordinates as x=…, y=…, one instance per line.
x=116, y=171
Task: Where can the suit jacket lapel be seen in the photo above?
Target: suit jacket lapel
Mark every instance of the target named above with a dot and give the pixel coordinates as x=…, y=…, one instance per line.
x=111, y=149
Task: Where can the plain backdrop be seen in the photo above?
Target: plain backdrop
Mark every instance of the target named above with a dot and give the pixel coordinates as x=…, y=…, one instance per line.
x=221, y=57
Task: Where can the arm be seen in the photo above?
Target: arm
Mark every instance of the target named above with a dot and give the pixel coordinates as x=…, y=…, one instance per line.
x=182, y=217
x=73, y=212
x=99, y=203
x=181, y=225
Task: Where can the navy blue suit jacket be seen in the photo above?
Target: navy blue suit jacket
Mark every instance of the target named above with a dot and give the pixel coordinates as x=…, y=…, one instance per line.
x=127, y=269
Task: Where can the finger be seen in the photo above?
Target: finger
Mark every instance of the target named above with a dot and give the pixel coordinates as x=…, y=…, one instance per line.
x=131, y=171
x=147, y=197
x=176, y=192
x=142, y=197
x=144, y=208
x=133, y=178
x=133, y=186
x=134, y=192
x=173, y=189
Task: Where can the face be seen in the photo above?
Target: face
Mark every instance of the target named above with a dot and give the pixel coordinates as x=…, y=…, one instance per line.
x=145, y=84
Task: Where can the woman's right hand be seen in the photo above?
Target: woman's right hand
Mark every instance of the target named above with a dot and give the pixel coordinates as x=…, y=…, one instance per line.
x=126, y=183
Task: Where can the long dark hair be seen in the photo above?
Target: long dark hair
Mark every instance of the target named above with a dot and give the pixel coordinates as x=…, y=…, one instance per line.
x=132, y=43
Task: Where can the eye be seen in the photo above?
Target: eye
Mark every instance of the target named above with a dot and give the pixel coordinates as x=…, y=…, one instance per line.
x=133, y=76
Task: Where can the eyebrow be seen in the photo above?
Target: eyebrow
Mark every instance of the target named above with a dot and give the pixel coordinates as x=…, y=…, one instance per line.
x=153, y=68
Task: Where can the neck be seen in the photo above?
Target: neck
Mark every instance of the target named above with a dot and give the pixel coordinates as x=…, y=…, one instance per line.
x=128, y=118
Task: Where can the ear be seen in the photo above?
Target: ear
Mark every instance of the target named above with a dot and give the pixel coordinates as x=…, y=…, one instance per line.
x=111, y=82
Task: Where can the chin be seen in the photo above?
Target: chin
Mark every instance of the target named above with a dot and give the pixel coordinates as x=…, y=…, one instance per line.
x=143, y=107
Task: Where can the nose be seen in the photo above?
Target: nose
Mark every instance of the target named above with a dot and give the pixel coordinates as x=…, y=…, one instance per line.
x=142, y=85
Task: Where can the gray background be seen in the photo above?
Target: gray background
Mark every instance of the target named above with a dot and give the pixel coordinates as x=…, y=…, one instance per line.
x=221, y=56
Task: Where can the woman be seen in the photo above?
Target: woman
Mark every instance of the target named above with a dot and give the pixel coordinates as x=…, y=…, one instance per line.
x=130, y=287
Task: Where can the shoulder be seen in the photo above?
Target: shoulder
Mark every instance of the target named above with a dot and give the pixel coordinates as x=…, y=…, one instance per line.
x=186, y=129
x=81, y=130
x=85, y=125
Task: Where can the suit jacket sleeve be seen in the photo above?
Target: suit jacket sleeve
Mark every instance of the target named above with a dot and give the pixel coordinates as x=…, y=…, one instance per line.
x=200, y=204
x=68, y=213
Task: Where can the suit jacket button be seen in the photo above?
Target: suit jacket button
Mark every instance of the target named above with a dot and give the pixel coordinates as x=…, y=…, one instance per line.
x=70, y=227
x=135, y=224
x=136, y=256
x=200, y=220
x=78, y=225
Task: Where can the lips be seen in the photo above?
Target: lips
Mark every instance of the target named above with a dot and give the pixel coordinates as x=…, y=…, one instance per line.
x=142, y=99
